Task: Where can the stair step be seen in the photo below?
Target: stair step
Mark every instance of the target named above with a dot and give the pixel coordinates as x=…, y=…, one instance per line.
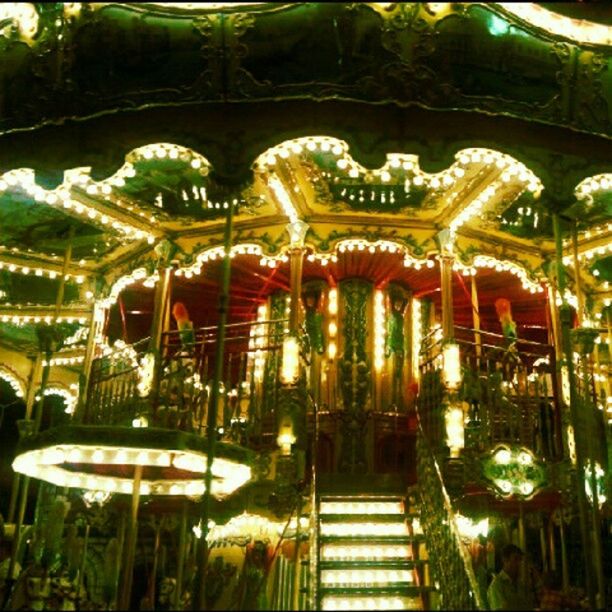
x=362, y=540
x=361, y=518
x=407, y=589
x=396, y=563
x=363, y=507
x=373, y=602
x=333, y=552
x=364, y=529
x=366, y=577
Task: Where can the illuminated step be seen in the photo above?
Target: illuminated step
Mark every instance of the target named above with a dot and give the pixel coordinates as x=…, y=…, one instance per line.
x=335, y=602
x=333, y=552
x=364, y=577
x=361, y=507
x=364, y=529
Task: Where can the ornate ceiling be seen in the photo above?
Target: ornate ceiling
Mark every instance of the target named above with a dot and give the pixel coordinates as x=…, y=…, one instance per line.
x=134, y=124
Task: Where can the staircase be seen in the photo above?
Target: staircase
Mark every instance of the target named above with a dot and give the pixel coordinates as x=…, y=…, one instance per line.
x=371, y=555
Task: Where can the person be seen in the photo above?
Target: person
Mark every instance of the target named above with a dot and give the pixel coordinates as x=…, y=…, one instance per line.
x=553, y=597
x=505, y=592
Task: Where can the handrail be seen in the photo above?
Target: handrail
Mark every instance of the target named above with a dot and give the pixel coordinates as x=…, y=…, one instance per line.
x=466, y=594
x=314, y=515
x=213, y=328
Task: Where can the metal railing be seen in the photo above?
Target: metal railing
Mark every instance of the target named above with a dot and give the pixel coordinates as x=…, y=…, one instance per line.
x=178, y=390
x=510, y=390
x=452, y=566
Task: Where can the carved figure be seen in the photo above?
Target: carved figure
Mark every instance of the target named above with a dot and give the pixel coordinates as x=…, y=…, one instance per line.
x=184, y=325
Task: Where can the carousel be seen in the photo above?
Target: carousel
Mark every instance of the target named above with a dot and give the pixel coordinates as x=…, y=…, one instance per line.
x=303, y=306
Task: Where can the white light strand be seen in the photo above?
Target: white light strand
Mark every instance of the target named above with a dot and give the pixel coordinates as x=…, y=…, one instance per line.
x=501, y=265
x=19, y=319
x=218, y=252
x=23, y=16
x=46, y=464
x=283, y=198
x=400, y=168
x=70, y=396
x=12, y=379
x=65, y=361
x=575, y=29
x=140, y=274
x=379, y=330
x=61, y=199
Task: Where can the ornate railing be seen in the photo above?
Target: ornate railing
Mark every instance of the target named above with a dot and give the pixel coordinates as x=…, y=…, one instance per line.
x=172, y=389
x=450, y=560
x=509, y=392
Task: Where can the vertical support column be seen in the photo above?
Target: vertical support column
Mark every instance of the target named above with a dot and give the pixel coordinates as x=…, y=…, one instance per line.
x=565, y=316
x=95, y=326
x=580, y=313
x=446, y=284
x=584, y=337
x=199, y=587
x=297, y=232
x=35, y=374
x=128, y=568
x=159, y=308
x=476, y=319
x=182, y=549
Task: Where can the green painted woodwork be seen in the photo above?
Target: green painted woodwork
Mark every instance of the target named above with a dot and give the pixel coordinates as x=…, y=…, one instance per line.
x=355, y=369
x=26, y=224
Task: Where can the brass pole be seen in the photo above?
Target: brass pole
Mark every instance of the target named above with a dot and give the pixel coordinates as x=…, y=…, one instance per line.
x=565, y=316
x=132, y=535
x=159, y=309
x=446, y=272
x=81, y=411
x=296, y=262
x=476, y=319
x=199, y=588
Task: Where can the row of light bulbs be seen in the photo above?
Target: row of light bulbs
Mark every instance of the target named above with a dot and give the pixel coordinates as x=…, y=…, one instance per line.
x=486, y=261
x=20, y=320
x=400, y=162
x=590, y=254
x=335, y=602
x=580, y=30
x=70, y=396
x=365, y=577
x=361, y=507
x=38, y=271
x=23, y=16
x=365, y=551
x=379, y=330
x=61, y=198
x=473, y=209
x=64, y=361
x=15, y=384
x=45, y=465
x=604, y=228
x=364, y=529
